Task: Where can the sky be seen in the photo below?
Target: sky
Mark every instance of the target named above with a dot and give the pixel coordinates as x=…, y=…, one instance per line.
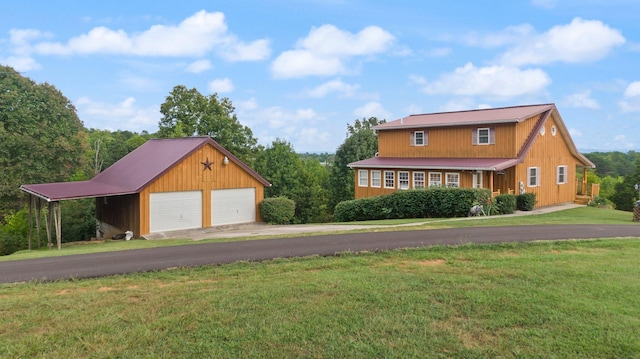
x=302, y=70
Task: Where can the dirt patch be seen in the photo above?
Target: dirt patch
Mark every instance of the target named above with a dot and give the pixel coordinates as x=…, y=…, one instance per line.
x=104, y=289
x=431, y=263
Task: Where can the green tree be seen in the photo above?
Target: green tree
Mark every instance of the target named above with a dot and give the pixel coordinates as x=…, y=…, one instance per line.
x=186, y=112
x=41, y=137
x=361, y=143
x=291, y=177
x=625, y=193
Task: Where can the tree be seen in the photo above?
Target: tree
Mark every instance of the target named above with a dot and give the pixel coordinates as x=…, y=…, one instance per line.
x=625, y=192
x=293, y=178
x=41, y=137
x=361, y=143
x=186, y=112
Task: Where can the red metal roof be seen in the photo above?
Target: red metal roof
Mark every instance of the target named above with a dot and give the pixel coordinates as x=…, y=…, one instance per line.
x=478, y=164
x=467, y=118
x=134, y=171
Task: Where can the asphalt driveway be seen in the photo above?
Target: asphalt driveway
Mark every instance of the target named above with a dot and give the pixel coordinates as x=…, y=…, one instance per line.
x=141, y=260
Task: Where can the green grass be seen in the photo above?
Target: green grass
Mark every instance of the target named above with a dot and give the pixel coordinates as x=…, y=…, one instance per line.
x=560, y=299
x=580, y=215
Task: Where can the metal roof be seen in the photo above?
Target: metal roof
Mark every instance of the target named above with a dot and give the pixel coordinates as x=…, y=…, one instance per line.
x=477, y=164
x=134, y=171
x=467, y=118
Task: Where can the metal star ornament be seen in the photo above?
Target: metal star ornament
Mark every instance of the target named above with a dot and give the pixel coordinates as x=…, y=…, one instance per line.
x=207, y=165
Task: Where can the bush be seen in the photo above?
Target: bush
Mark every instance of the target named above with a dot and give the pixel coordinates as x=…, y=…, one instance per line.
x=421, y=203
x=526, y=201
x=10, y=243
x=277, y=210
x=505, y=204
x=601, y=202
x=78, y=220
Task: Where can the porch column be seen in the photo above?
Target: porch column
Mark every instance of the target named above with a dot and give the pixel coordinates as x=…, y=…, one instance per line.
x=584, y=181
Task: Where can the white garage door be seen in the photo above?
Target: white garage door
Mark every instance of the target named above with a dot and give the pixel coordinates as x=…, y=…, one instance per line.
x=229, y=206
x=171, y=211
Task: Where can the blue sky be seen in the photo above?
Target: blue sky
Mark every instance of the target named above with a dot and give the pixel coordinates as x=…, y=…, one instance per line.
x=301, y=70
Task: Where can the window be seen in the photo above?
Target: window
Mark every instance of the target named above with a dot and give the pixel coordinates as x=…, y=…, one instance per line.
x=435, y=179
x=553, y=130
x=363, y=178
x=375, y=179
x=389, y=179
x=418, y=179
x=403, y=180
x=418, y=138
x=453, y=180
x=483, y=136
x=561, y=175
x=533, y=177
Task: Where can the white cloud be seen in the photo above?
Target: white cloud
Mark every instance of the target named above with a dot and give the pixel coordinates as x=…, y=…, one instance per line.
x=633, y=89
x=327, y=49
x=579, y=41
x=197, y=35
x=493, y=82
x=199, y=66
x=125, y=115
x=221, y=85
x=372, y=109
x=582, y=99
x=337, y=86
x=631, y=100
x=21, y=63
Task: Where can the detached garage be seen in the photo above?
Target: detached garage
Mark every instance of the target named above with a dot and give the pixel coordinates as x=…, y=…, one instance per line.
x=165, y=185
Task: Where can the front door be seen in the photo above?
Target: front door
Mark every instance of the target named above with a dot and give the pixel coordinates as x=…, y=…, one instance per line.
x=477, y=179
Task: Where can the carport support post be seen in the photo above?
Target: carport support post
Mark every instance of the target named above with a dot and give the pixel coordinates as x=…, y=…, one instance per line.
x=57, y=214
x=30, y=218
x=38, y=219
x=48, y=223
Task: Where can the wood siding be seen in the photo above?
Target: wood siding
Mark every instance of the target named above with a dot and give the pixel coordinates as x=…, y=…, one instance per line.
x=121, y=212
x=191, y=175
x=547, y=153
x=448, y=142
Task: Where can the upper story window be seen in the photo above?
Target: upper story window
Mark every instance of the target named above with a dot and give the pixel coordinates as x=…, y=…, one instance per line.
x=483, y=136
x=363, y=178
x=418, y=138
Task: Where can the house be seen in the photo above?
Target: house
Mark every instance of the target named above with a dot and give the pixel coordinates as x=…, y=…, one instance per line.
x=507, y=150
x=165, y=185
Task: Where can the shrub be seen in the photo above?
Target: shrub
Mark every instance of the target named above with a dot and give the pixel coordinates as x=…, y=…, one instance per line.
x=526, y=201
x=277, y=210
x=421, y=203
x=505, y=203
x=601, y=202
x=10, y=243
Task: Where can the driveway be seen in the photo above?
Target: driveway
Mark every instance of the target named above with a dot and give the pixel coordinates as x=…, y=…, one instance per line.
x=110, y=263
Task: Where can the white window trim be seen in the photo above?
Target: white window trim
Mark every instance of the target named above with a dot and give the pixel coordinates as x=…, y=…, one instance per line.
x=400, y=186
x=488, y=136
x=435, y=184
x=564, y=174
x=424, y=180
x=449, y=184
x=363, y=181
x=393, y=178
x=379, y=178
x=414, y=138
x=537, y=177
x=480, y=174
